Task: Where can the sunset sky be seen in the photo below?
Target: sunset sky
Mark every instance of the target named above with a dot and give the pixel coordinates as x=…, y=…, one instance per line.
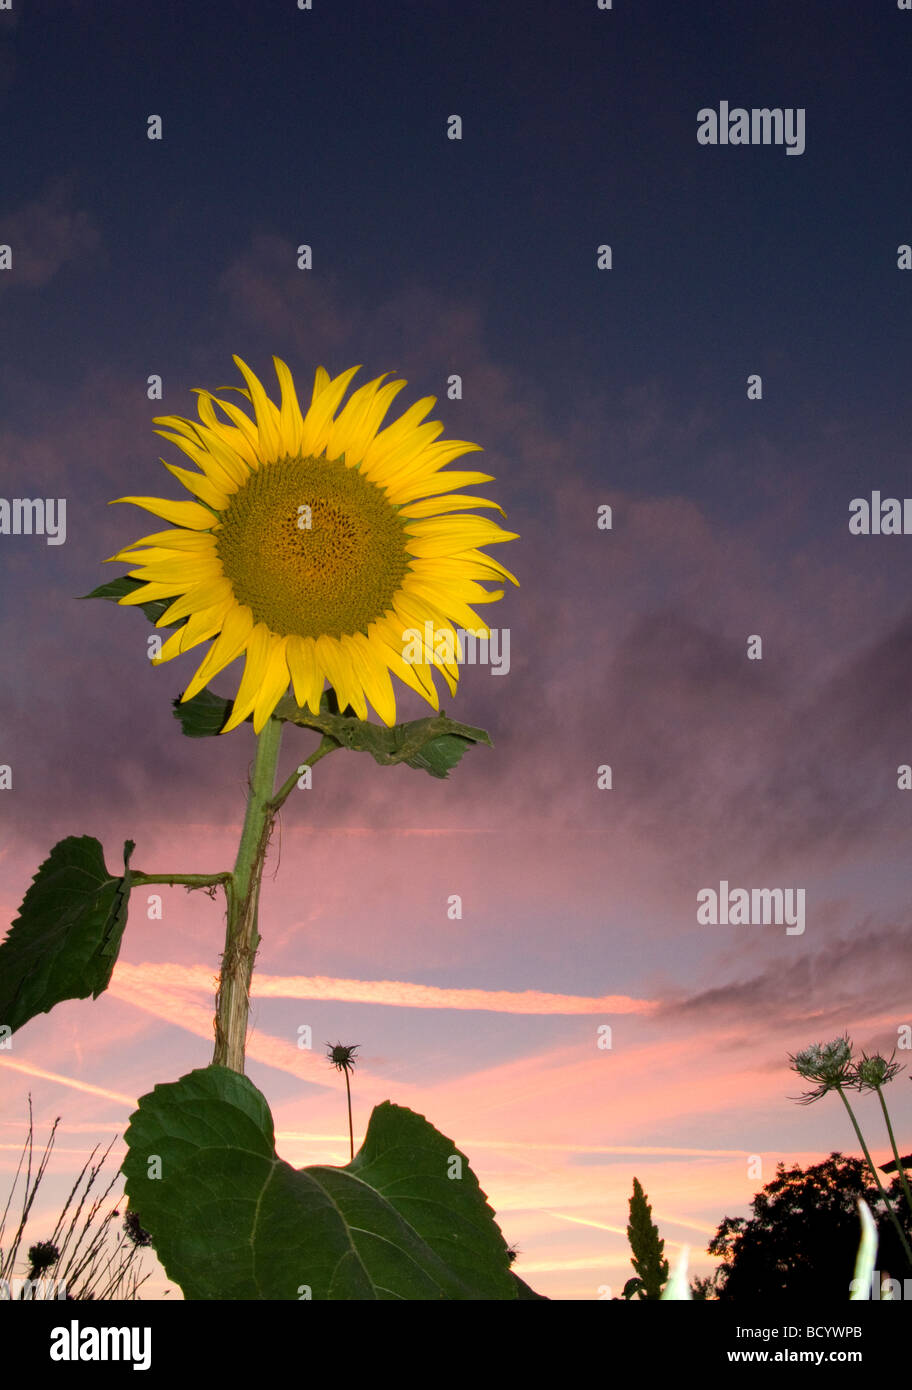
x=628, y=647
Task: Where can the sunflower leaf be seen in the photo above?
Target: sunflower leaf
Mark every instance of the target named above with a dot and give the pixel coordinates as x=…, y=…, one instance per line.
x=229, y=1219
x=116, y=589
x=203, y=716
x=439, y=755
x=65, y=941
x=432, y=745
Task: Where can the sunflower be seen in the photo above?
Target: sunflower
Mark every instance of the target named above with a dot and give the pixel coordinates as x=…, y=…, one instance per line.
x=319, y=545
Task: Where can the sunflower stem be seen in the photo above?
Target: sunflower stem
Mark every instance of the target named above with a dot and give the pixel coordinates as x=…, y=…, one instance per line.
x=232, y=1005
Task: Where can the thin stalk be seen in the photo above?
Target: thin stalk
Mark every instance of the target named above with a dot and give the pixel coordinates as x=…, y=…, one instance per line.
x=242, y=939
x=899, y=1163
x=351, y=1132
x=886, y=1201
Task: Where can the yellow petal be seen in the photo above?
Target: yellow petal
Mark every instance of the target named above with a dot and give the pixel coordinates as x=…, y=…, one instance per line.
x=319, y=416
x=415, y=614
x=351, y=431
x=201, y=486
x=227, y=647
x=447, y=603
x=153, y=555
x=178, y=423
x=425, y=464
x=200, y=541
x=442, y=536
x=203, y=458
x=474, y=563
x=446, y=586
x=386, y=633
x=241, y=437
x=170, y=649
x=321, y=381
x=413, y=488
x=267, y=417
x=307, y=680
x=259, y=649
x=372, y=674
x=148, y=593
x=204, y=624
x=385, y=469
x=184, y=571
x=291, y=421
x=273, y=685
x=451, y=502
x=335, y=662
x=200, y=596
x=189, y=514
x=395, y=434
x=219, y=462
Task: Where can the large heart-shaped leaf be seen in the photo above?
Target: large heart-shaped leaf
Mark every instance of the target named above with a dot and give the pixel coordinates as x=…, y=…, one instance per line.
x=64, y=943
x=230, y=1220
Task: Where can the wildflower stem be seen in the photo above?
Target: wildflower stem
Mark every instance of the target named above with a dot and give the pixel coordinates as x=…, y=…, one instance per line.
x=899, y=1163
x=232, y=1005
x=886, y=1201
x=351, y=1132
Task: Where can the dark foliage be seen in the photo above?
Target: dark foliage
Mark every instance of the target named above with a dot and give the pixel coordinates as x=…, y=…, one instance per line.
x=802, y=1240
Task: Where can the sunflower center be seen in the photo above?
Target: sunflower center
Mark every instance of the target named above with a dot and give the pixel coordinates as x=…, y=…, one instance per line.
x=312, y=548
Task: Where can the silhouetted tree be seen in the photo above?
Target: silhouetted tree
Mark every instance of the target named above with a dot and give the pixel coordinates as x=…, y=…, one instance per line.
x=803, y=1237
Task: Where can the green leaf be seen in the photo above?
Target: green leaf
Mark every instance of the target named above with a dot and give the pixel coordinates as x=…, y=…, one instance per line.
x=65, y=941
x=203, y=716
x=230, y=1220
x=116, y=589
x=433, y=745
x=439, y=755
x=524, y=1292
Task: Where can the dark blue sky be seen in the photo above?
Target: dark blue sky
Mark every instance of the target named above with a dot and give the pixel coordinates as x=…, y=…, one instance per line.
x=327, y=127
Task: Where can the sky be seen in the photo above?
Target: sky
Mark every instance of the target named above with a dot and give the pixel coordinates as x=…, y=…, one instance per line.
x=728, y=387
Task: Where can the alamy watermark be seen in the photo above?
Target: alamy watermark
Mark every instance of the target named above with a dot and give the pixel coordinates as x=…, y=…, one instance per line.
x=466, y=646
x=752, y=907
x=76, y=1343
x=761, y=125
x=881, y=1288
x=882, y=516
x=31, y=1290
x=34, y=516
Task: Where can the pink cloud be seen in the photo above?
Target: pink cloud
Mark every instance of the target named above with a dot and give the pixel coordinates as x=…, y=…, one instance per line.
x=46, y=233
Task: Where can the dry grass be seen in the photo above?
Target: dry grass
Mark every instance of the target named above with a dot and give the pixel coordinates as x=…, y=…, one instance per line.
x=86, y=1256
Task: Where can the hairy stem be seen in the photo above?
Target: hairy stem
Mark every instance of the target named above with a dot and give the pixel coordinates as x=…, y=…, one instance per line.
x=189, y=880
x=232, y=1004
x=351, y=1132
